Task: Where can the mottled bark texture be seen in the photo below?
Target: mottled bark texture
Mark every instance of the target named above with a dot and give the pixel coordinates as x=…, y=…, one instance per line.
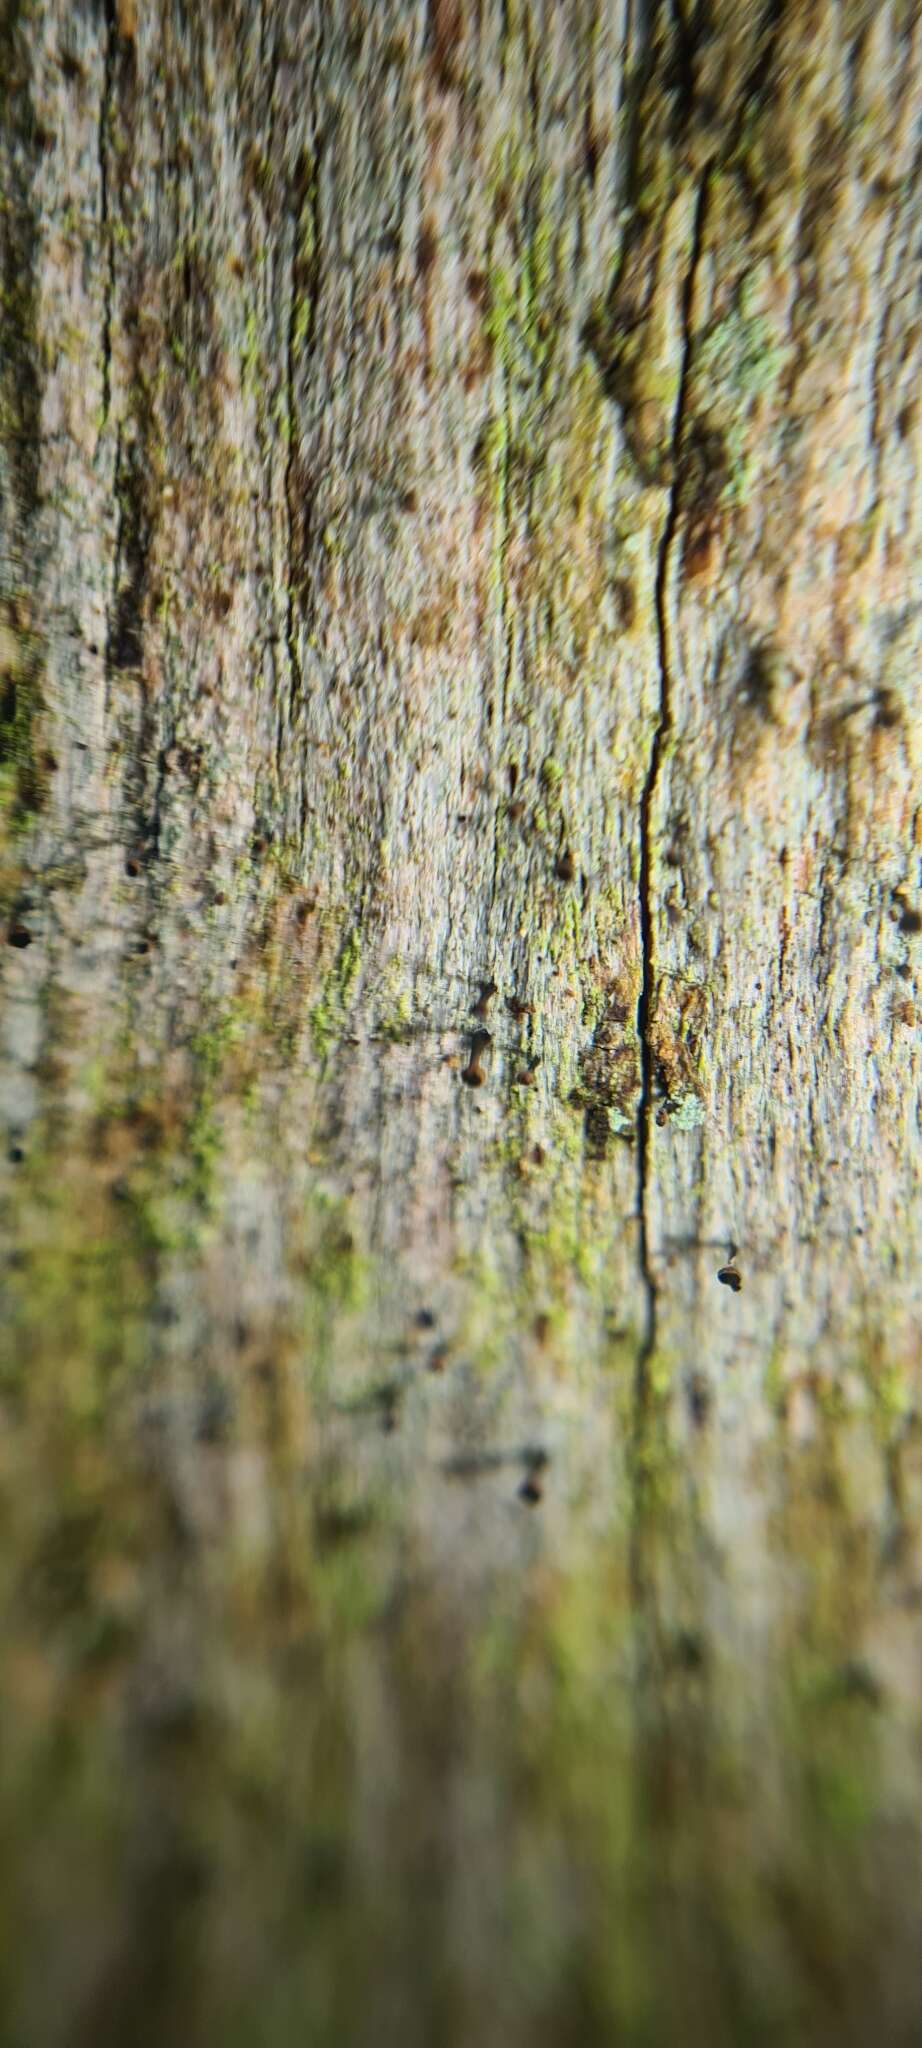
x=461, y=866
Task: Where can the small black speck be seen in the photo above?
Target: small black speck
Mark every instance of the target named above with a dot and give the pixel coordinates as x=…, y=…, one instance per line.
x=689, y=1650
x=911, y=921
x=16, y=1155
x=729, y=1277
x=856, y=1681
x=531, y=1490
x=699, y=1399
x=424, y=1319
x=215, y=1414
x=19, y=934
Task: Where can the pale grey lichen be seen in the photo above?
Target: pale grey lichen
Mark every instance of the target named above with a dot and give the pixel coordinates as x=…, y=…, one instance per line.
x=686, y=1112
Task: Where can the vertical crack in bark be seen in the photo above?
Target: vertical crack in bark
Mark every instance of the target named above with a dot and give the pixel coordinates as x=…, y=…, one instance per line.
x=112, y=605
x=104, y=229
x=685, y=33
x=657, y=750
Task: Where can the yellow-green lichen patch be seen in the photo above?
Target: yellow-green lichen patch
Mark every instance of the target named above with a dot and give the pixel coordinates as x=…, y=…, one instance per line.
x=328, y=1013
x=24, y=770
x=738, y=362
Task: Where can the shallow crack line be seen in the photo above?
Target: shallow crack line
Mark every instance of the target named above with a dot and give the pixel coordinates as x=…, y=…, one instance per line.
x=657, y=751
x=106, y=238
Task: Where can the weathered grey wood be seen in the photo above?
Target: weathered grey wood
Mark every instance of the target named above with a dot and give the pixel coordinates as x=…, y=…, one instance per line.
x=459, y=520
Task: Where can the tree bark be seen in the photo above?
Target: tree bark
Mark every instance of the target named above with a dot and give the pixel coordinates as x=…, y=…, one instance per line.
x=461, y=863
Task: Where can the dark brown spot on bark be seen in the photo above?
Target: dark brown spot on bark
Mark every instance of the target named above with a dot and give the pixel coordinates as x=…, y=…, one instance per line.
x=445, y=28
x=473, y=1073
x=426, y=248
x=625, y=602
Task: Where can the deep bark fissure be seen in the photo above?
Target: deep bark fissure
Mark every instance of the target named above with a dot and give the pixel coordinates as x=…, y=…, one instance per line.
x=104, y=228
x=657, y=750
x=112, y=606
x=685, y=46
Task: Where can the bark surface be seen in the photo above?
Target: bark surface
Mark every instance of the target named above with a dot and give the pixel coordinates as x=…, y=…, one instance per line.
x=461, y=878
